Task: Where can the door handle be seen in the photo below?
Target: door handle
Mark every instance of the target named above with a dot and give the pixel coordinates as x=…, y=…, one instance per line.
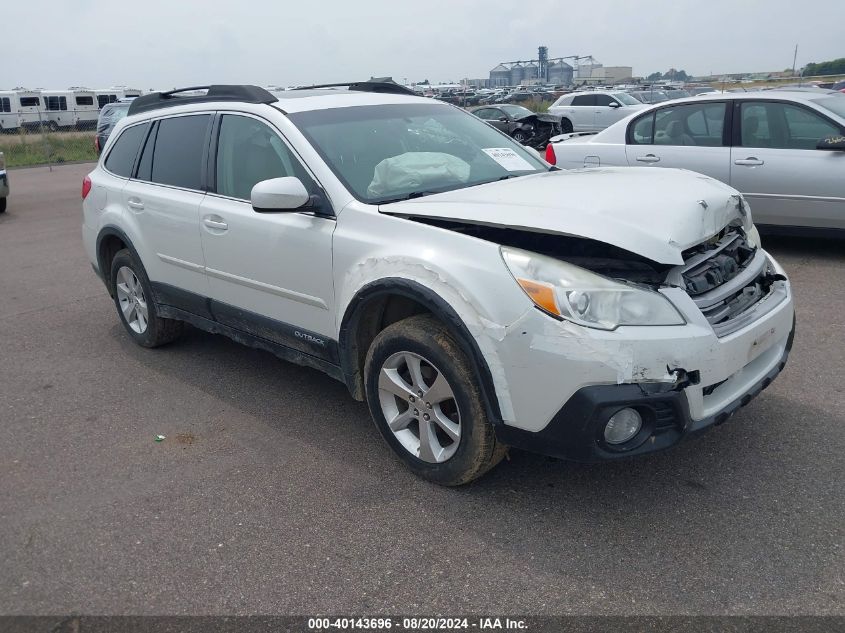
x=751, y=161
x=135, y=204
x=648, y=158
x=218, y=225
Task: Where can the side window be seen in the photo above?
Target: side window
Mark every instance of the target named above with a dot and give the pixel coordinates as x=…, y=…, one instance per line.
x=122, y=155
x=84, y=101
x=697, y=124
x=604, y=100
x=5, y=104
x=249, y=151
x=102, y=100
x=641, y=131
x=484, y=113
x=805, y=129
x=584, y=100
x=177, y=159
x=754, y=125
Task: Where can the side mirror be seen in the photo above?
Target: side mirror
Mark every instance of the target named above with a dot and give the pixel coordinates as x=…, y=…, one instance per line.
x=503, y=119
x=613, y=104
x=279, y=194
x=832, y=143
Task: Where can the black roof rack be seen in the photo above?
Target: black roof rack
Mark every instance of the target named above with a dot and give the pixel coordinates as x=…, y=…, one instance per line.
x=383, y=85
x=156, y=100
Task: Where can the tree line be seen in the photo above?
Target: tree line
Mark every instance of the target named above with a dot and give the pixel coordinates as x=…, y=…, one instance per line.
x=833, y=67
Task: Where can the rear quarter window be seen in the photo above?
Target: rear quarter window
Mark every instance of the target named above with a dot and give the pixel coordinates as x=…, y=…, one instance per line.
x=121, y=157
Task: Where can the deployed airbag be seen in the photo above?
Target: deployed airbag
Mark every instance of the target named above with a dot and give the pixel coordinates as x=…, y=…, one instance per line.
x=414, y=171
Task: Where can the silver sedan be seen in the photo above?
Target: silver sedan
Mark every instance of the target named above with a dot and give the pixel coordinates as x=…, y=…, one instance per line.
x=785, y=151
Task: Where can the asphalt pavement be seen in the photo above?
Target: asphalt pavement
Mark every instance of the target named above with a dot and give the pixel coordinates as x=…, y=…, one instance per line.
x=273, y=492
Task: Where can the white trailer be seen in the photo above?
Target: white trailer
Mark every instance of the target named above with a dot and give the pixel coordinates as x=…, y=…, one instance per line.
x=115, y=93
x=21, y=108
x=75, y=108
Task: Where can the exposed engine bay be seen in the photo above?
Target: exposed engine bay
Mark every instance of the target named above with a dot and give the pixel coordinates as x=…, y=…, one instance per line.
x=725, y=275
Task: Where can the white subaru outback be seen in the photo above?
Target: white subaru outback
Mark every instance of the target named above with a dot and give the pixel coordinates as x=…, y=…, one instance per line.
x=476, y=297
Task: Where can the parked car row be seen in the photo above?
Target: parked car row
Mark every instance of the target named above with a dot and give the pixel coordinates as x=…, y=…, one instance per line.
x=785, y=151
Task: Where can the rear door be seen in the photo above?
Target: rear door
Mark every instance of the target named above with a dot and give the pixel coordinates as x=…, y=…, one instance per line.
x=775, y=164
x=269, y=274
x=163, y=202
x=690, y=136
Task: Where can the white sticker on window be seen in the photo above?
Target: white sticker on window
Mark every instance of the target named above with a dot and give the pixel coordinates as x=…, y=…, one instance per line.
x=508, y=158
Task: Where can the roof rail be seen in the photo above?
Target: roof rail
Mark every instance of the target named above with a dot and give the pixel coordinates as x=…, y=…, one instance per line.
x=220, y=92
x=371, y=85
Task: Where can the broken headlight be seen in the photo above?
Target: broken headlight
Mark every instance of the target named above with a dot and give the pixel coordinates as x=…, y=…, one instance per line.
x=583, y=297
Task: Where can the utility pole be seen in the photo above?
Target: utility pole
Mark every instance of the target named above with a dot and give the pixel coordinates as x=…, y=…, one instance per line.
x=794, y=58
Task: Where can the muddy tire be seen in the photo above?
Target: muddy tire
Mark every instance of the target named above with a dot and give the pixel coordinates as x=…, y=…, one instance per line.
x=136, y=307
x=565, y=126
x=425, y=401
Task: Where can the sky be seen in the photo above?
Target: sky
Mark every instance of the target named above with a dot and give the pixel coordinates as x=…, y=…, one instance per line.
x=168, y=43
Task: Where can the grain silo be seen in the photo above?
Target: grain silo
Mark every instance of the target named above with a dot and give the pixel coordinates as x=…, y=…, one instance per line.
x=500, y=76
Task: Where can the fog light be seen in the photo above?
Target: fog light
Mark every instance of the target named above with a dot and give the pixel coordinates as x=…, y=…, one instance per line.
x=622, y=426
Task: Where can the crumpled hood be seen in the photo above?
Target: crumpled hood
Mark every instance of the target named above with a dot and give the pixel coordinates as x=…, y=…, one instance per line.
x=655, y=213
x=547, y=118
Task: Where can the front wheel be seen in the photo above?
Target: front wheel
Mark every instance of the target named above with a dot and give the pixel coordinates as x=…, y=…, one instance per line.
x=520, y=137
x=565, y=126
x=2, y=205
x=425, y=401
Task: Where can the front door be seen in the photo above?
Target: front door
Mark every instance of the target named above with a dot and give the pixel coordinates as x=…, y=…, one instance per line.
x=775, y=164
x=269, y=274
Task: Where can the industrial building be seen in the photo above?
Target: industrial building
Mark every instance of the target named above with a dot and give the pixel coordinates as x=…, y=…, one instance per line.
x=546, y=70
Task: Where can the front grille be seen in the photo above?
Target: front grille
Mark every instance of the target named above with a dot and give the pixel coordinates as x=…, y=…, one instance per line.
x=726, y=278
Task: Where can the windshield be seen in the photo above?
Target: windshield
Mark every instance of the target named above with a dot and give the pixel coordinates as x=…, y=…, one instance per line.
x=390, y=152
x=833, y=103
x=625, y=99
x=516, y=111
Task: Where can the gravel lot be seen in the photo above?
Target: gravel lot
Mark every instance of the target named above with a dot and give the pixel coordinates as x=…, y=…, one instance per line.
x=273, y=492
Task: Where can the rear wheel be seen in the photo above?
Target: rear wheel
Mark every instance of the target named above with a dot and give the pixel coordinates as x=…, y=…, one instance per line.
x=133, y=298
x=2, y=205
x=424, y=399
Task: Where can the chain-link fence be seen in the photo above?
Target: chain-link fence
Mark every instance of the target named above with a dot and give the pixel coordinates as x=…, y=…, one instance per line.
x=50, y=127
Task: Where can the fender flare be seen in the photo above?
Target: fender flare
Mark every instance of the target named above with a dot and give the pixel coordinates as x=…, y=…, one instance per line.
x=441, y=309
x=112, y=231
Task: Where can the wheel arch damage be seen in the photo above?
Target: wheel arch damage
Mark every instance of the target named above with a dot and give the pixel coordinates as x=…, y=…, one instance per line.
x=379, y=303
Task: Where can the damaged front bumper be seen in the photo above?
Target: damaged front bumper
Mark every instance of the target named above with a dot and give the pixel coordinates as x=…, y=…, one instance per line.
x=565, y=382
x=576, y=432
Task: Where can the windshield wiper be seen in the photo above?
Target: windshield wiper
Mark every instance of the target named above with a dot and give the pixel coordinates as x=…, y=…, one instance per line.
x=406, y=196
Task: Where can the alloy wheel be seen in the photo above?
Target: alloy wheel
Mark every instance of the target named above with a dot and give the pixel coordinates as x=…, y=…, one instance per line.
x=419, y=407
x=130, y=297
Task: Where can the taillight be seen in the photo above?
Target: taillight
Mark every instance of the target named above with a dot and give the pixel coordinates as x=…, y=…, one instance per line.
x=86, y=187
x=550, y=154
